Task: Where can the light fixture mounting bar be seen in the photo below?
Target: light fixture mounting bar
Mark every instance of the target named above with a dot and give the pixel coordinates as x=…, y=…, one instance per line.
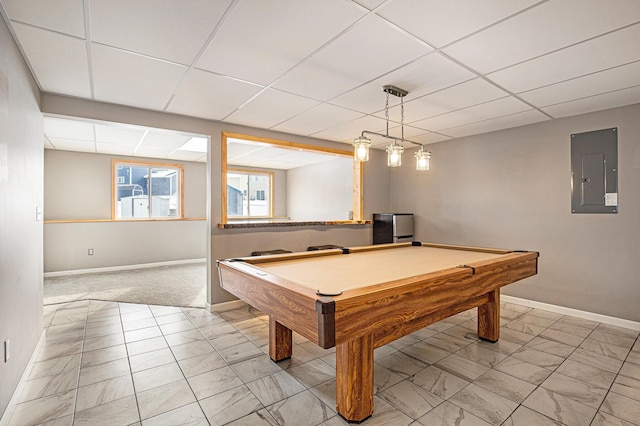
x=395, y=91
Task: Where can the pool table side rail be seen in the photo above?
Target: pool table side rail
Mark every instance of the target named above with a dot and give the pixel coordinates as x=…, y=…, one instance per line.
x=404, y=306
x=296, y=307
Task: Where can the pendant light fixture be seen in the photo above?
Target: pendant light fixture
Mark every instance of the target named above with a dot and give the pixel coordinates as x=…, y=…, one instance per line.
x=361, y=144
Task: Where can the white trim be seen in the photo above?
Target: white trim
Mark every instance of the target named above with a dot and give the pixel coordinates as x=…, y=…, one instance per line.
x=15, y=397
x=619, y=322
x=123, y=267
x=226, y=306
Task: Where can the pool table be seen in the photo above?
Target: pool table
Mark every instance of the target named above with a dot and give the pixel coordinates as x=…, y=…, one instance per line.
x=361, y=298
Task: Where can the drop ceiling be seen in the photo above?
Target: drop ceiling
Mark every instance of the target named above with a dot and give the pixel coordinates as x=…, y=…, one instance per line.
x=316, y=68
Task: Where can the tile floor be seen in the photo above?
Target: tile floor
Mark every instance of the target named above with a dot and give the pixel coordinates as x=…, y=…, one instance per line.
x=121, y=364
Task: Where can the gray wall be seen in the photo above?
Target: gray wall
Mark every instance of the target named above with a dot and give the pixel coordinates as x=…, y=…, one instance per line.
x=21, y=130
x=78, y=186
x=321, y=191
x=226, y=243
x=511, y=189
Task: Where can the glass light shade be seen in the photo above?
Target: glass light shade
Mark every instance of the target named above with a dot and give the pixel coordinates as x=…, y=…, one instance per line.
x=394, y=155
x=361, y=149
x=422, y=160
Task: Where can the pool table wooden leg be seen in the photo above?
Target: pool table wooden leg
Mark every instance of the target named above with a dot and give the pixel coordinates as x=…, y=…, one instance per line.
x=354, y=379
x=489, y=318
x=280, y=341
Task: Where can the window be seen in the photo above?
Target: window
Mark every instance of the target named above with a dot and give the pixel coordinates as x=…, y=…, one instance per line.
x=249, y=193
x=147, y=190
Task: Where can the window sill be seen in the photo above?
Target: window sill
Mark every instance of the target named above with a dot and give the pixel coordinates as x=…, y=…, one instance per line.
x=48, y=221
x=278, y=224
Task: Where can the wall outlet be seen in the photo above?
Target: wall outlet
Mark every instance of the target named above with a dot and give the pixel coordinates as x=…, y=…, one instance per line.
x=90, y=252
x=7, y=352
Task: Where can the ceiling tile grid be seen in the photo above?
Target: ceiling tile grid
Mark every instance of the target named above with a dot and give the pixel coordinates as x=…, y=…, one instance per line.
x=316, y=68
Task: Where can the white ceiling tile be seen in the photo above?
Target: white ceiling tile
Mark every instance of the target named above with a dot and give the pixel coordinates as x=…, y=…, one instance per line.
x=595, y=103
x=270, y=108
x=317, y=119
x=207, y=95
x=152, y=152
x=440, y=23
x=131, y=79
x=59, y=61
x=588, y=57
x=605, y=81
x=165, y=29
x=370, y=4
x=68, y=129
x=513, y=120
x=261, y=40
x=369, y=49
x=428, y=74
x=189, y=156
x=549, y=26
x=463, y=95
x=347, y=132
x=73, y=145
x=64, y=16
x=485, y=111
x=168, y=141
x=114, y=149
x=118, y=135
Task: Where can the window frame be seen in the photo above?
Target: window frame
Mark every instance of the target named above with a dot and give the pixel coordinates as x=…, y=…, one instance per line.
x=358, y=172
x=149, y=165
x=250, y=172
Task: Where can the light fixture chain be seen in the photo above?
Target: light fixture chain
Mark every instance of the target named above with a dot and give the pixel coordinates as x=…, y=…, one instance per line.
x=386, y=112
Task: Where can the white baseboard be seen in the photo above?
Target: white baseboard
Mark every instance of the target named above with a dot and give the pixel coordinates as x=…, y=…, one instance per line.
x=619, y=322
x=122, y=268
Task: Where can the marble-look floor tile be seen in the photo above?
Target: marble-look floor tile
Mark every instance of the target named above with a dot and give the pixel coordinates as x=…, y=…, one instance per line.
x=587, y=373
x=630, y=370
x=447, y=414
x=505, y=385
x=411, y=399
x=153, y=359
x=575, y=389
x=169, y=318
x=201, y=364
x=138, y=324
x=541, y=359
x=385, y=414
x=503, y=346
x=563, y=336
x=523, y=370
x=188, y=415
x=627, y=387
x=262, y=418
x=255, y=368
x=462, y=367
x=525, y=327
x=551, y=347
x=240, y=352
x=484, y=404
x=606, y=336
x=189, y=350
x=633, y=357
x=545, y=314
x=326, y=392
x=214, y=382
x=571, y=329
x=176, y=327
x=57, y=350
x=102, y=392
x=142, y=334
x=578, y=322
x=147, y=345
x=104, y=330
x=157, y=376
x=622, y=407
x=287, y=412
x=108, y=370
x=524, y=416
x=606, y=349
x=620, y=331
x=515, y=336
x=540, y=321
x=49, y=385
x=604, y=419
x=183, y=337
x=55, y=366
x=162, y=399
x=559, y=408
x=43, y=409
x=599, y=361
x=274, y=388
x=425, y=352
x=236, y=403
x=122, y=411
x=481, y=355
x=401, y=364
x=448, y=343
x=312, y=373
x=439, y=382
x=101, y=356
x=138, y=315
x=102, y=342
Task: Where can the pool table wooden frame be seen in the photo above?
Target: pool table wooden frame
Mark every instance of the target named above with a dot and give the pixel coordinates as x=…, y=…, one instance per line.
x=362, y=319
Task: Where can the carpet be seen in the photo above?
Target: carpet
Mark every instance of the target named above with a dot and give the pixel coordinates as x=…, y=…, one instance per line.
x=176, y=285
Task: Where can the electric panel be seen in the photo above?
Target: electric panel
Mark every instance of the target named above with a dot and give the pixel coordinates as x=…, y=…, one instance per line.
x=594, y=171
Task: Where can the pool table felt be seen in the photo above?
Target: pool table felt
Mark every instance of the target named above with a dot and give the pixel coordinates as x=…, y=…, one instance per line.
x=340, y=272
